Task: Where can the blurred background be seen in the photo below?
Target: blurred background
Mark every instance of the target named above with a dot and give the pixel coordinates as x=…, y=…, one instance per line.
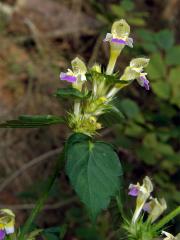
x=38, y=39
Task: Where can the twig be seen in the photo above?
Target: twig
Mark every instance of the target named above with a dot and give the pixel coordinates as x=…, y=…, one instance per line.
x=28, y=165
x=54, y=206
x=35, y=33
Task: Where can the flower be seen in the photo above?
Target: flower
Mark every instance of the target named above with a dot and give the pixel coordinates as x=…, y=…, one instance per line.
x=155, y=208
x=142, y=192
x=77, y=74
x=7, y=221
x=119, y=36
x=169, y=236
x=135, y=71
x=96, y=68
x=2, y=233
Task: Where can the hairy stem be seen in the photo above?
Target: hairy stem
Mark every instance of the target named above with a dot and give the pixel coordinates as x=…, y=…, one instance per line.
x=112, y=92
x=40, y=203
x=167, y=218
x=76, y=107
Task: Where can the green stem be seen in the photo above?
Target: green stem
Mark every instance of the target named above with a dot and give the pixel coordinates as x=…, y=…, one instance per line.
x=112, y=61
x=167, y=218
x=76, y=107
x=40, y=203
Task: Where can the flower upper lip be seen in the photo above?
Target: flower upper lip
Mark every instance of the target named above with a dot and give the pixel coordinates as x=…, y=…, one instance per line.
x=120, y=34
x=77, y=73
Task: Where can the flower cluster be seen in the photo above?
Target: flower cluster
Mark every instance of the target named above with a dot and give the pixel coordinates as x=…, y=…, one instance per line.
x=154, y=206
x=140, y=227
x=96, y=88
x=7, y=221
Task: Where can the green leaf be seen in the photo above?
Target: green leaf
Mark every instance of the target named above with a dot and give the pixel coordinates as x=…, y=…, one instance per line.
x=150, y=47
x=137, y=21
x=165, y=39
x=129, y=108
x=117, y=10
x=173, y=56
x=128, y=5
x=88, y=233
x=156, y=68
x=33, y=235
x=146, y=35
x=50, y=236
x=71, y=93
x=94, y=170
x=162, y=89
x=33, y=121
x=175, y=85
x=59, y=231
x=146, y=155
x=114, y=116
x=53, y=230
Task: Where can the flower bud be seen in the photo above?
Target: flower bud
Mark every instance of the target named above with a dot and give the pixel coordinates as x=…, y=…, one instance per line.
x=155, y=208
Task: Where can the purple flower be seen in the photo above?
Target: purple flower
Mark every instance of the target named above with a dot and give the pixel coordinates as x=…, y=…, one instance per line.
x=109, y=38
x=143, y=81
x=147, y=207
x=2, y=234
x=134, y=190
x=67, y=77
x=117, y=40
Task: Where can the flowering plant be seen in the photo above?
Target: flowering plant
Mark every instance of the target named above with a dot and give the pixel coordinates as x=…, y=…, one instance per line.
x=93, y=167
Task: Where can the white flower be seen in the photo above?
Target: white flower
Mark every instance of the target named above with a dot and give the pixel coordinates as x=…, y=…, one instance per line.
x=143, y=193
x=77, y=74
x=169, y=236
x=155, y=208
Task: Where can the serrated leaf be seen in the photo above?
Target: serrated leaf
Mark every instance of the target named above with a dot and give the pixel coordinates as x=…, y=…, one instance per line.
x=150, y=47
x=33, y=121
x=71, y=93
x=175, y=85
x=94, y=170
x=156, y=68
x=165, y=39
x=146, y=35
x=162, y=89
x=129, y=108
x=173, y=56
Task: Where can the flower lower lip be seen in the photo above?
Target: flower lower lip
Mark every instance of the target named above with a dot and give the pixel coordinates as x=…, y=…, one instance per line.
x=68, y=78
x=2, y=234
x=145, y=83
x=117, y=40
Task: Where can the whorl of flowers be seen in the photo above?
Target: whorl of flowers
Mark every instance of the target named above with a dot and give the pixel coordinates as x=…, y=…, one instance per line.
x=96, y=88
